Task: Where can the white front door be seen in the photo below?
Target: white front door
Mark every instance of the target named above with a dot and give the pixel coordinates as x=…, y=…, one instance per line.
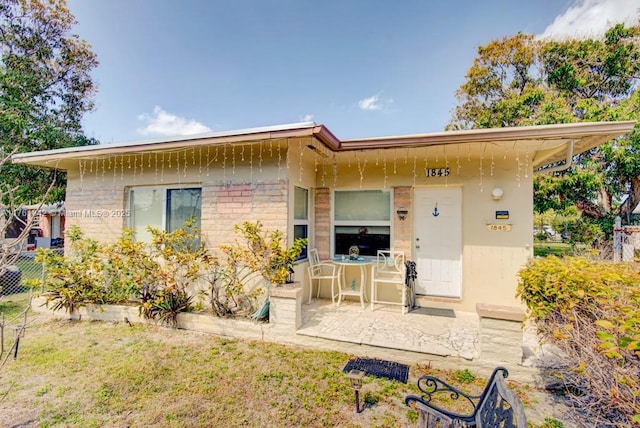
x=438, y=241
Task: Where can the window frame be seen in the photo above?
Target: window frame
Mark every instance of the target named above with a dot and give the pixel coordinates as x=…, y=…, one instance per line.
x=360, y=223
x=302, y=221
x=164, y=203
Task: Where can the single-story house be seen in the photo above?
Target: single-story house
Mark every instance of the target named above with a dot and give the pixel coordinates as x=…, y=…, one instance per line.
x=459, y=203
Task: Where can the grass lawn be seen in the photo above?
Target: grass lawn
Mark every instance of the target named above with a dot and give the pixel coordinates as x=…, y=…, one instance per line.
x=94, y=374
x=542, y=249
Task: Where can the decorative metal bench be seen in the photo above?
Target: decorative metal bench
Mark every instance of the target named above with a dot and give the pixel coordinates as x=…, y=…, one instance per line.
x=497, y=406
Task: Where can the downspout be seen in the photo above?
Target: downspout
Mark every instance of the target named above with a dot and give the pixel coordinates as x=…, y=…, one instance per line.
x=567, y=162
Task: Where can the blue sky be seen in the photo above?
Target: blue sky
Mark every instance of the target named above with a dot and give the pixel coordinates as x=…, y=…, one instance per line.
x=363, y=68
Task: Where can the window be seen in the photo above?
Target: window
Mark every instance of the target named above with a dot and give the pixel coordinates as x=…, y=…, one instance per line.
x=163, y=207
x=362, y=218
x=301, y=216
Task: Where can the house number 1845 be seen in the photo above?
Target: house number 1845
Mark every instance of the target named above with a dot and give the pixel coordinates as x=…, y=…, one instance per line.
x=437, y=172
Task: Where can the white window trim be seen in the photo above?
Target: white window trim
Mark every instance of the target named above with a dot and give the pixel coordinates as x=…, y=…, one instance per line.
x=165, y=189
x=333, y=223
x=303, y=222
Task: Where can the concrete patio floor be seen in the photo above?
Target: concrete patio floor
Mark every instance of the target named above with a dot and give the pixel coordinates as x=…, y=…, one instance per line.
x=431, y=331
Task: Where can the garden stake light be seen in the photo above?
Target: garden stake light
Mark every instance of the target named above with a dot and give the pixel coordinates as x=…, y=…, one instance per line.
x=355, y=378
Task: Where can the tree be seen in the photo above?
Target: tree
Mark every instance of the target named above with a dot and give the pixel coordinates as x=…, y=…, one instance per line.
x=45, y=88
x=519, y=81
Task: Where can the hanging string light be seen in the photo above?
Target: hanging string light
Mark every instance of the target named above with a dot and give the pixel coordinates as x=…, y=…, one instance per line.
x=208, y=153
x=178, y=167
x=324, y=174
x=122, y=168
x=492, y=162
x=458, y=161
x=361, y=168
x=481, y=169
x=335, y=171
x=141, y=164
x=233, y=159
x=199, y=161
x=251, y=162
x=242, y=152
x=395, y=158
x=260, y=158
x=224, y=163
x=279, y=162
x=184, y=174
x=415, y=172
x=81, y=173
x=384, y=170
x=156, y=179
x=162, y=168
x=103, y=162
x=526, y=165
x=300, y=167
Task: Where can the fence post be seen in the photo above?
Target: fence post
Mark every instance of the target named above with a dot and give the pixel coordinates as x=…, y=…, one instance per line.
x=617, y=240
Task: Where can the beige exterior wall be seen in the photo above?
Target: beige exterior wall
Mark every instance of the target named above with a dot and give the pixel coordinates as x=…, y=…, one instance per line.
x=256, y=182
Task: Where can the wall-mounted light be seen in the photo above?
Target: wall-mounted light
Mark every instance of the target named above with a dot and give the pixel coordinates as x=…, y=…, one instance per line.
x=497, y=193
x=402, y=213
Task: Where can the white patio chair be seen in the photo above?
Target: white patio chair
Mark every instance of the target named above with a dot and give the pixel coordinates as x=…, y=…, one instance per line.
x=322, y=270
x=389, y=271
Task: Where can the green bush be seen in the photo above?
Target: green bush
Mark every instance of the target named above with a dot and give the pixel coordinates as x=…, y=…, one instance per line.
x=162, y=276
x=591, y=310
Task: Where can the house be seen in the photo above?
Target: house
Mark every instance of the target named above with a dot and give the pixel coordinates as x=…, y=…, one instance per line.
x=458, y=203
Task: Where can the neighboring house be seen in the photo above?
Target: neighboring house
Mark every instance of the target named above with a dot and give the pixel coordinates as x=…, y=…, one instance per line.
x=460, y=203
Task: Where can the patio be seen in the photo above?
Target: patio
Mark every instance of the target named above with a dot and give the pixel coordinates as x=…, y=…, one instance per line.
x=424, y=330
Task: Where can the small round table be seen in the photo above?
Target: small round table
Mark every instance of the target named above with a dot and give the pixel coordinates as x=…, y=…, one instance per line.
x=344, y=290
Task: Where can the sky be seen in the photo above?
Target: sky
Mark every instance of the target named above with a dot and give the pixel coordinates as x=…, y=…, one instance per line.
x=363, y=68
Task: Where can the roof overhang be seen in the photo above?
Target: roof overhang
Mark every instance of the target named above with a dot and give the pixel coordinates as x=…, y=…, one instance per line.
x=551, y=142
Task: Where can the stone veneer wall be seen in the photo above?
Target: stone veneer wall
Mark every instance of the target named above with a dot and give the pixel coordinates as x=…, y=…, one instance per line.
x=322, y=224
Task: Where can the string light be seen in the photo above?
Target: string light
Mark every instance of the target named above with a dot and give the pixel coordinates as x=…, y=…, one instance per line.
x=361, y=169
x=395, y=158
x=242, y=152
x=279, y=161
x=141, y=164
x=233, y=159
x=300, y=167
x=185, y=164
x=208, y=162
x=122, y=167
x=162, y=167
x=384, y=170
x=81, y=173
x=199, y=160
x=156, y=180
x=415, y=173
x=335, y=171
x=481, y=170
x=260, y=158
x=492, y=162
x=251, y=162
x=458, y=161
x=178, y=167
x=103, y=162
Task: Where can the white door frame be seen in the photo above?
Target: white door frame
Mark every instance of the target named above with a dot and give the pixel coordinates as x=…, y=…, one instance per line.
x=438, y=240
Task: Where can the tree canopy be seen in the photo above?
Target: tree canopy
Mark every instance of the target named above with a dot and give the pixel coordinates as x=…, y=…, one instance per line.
x=45, y=89
x=519, y=80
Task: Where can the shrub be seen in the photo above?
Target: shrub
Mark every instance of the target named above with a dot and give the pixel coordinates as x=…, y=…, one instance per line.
x=591, y=310
x=71, y=281
x=164, y=274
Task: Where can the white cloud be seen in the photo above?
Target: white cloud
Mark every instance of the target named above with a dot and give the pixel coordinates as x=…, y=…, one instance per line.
x=370, y=103
x=163, y=123
x=591, y=18
x=306, y=118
